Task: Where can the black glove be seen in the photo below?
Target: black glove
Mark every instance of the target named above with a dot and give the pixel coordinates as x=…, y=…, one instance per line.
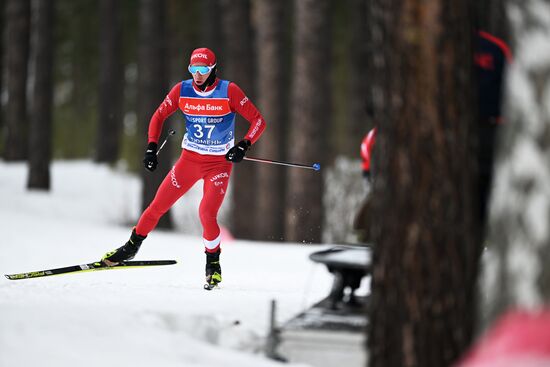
x=150, y=161
x=236, y=154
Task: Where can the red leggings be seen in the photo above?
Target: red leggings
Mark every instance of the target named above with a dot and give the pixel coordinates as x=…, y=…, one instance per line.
x=190, y=168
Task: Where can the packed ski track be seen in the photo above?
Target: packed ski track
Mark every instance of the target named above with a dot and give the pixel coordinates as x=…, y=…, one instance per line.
x=133, y=317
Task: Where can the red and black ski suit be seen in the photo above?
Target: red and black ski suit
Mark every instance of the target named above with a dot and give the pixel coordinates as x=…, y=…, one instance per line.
x=209, y=117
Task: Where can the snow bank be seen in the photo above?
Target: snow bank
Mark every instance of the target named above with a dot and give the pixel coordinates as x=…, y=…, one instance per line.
x=138, y=317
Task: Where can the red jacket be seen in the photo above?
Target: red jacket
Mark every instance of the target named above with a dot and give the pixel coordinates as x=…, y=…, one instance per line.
x=366, y=149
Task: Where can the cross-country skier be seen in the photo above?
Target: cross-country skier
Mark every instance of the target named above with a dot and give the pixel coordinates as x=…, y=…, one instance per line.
x=209, y=105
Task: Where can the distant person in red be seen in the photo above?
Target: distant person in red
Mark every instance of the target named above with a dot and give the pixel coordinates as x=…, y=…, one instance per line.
x=491, y=57
x=366, y=152
x=208, y=105
x=361, y=218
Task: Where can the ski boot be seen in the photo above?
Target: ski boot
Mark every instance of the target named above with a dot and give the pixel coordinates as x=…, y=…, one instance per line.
x=126, y=252
x=213, y=270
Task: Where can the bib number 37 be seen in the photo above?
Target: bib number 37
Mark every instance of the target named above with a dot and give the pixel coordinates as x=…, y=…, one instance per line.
x=199, y=131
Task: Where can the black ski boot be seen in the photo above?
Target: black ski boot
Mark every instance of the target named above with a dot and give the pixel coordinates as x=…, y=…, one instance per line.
x=213, y=269
x=126, y=252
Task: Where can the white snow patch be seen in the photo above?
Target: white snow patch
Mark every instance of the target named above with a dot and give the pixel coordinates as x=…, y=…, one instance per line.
x=345, y=192
x=522, y=98
x=138, y=317
x=523, y=273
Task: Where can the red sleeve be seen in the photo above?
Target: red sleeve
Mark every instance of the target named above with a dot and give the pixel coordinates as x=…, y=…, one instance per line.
x=243, y=106
x=166, y=108
x=500, y=43
x=366, y=149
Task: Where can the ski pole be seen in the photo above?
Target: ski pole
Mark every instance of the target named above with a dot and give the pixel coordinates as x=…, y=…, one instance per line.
x=170, y=133
x=314, y=166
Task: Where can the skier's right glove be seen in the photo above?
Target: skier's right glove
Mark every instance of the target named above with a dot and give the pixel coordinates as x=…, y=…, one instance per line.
x=150, y=161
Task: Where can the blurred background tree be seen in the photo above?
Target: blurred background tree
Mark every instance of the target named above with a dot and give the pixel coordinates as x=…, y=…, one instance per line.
x=111, y=83
x=238, y=64
x=16, y=142
x=271, y=21
x=491, y=17
x=40, y=132
x=152, y=88
x=76, y=77
x=310, y=114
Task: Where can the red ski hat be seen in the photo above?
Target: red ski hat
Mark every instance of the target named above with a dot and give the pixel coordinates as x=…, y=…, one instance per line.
x=203, y=55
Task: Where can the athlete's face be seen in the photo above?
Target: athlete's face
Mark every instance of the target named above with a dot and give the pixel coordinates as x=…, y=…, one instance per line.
x=198, y=77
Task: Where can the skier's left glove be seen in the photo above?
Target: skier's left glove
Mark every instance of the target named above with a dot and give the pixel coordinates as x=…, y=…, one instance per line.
x=150, y=160
x=237, y=153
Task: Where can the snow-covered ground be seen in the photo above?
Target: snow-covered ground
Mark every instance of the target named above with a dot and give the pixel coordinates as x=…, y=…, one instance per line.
x=135, y=317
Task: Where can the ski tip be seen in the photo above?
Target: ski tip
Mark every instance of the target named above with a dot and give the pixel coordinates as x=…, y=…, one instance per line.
x=16, y=276
x=316, y=166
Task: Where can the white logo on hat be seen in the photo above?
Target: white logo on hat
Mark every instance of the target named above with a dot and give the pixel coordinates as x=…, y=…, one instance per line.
x=200, y=55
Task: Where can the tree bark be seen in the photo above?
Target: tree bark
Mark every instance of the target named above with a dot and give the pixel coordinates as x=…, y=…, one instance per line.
x=424, y=222
x=40, y=135
x=375, y=62
x=78, y=122
x=111, y=83
x=272, y=103
x=16, y=128
x=152, y=88
x=211, y=37
x=519, y=240
x=2, y=65
x=237, y=65
x=309, y=120
x=184, y=29
x=358, y=125
x=492, y=18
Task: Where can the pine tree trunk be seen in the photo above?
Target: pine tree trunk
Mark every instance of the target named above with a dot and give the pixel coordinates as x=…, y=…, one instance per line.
x=309, y=120
x=211, y=37
x=237, y=65
x=358, y=124
x=111, y=83
x=183, y=27
x=519, y=240
x=16, y=128
x=40, y=135
x=492, y=18
x=272, y=103
x=78, y=127
x=152, y=88
x=374, y=61
x=2, y=64
x=426, y=238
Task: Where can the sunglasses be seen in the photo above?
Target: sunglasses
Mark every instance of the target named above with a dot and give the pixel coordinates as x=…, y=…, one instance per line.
x=201, y=69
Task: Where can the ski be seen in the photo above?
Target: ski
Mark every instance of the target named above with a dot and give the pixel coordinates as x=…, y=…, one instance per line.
x=95, y=266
